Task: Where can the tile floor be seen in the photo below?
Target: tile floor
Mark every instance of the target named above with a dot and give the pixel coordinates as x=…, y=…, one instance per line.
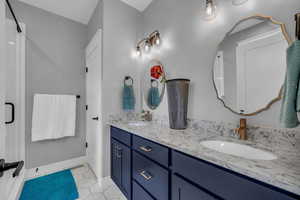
x=88, y=188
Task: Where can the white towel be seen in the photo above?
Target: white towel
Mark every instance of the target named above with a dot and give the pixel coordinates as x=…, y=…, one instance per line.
x=54, y=116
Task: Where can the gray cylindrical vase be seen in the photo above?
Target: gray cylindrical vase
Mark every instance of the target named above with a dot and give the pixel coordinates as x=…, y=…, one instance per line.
x=178, y=93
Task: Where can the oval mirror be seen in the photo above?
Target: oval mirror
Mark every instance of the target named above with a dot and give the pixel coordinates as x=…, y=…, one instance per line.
x=153, y=84
x=249, y=68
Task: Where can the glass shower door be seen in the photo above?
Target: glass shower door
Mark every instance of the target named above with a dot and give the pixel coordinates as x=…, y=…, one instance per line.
x=12, y=110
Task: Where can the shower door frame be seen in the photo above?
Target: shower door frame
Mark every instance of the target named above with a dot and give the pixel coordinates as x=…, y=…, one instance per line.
x=21, y=73
x=18, y=182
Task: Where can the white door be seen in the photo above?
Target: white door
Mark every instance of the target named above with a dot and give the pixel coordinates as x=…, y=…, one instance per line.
x=94, y=103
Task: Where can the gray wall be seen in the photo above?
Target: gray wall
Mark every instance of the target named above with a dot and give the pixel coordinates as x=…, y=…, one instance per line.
x=54, y=65
x=191, y=44
x=121, y=25
x=95, y=22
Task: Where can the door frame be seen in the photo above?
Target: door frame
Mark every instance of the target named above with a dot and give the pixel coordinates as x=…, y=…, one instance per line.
x=21, y=81
x=2, y=77
x=95, y=42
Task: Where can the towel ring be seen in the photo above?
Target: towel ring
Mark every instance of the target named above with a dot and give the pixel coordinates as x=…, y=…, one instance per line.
x=154, y=83
x=128, y=78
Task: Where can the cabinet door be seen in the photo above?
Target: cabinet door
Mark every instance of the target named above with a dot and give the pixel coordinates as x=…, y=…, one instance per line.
x=116, y=163
x=124, y=151
x=139, y=193
x=182, y=190
x=121, y=167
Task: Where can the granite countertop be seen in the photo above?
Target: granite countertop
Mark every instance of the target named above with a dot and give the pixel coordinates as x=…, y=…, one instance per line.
x=283, y=172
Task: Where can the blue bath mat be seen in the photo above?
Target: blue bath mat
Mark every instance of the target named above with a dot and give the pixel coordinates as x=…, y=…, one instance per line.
x=57, y=186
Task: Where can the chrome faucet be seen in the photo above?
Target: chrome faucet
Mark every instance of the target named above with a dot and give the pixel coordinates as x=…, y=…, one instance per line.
x=242, y=130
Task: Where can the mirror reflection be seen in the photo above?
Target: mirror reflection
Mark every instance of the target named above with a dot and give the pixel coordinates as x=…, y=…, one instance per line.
x=153, y=84
x=250, y=54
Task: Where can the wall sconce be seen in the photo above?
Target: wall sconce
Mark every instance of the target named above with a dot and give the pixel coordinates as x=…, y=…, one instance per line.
x=210, y=10
x=152, y=40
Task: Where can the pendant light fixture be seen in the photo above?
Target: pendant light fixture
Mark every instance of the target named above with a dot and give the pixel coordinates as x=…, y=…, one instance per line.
x=210, y=10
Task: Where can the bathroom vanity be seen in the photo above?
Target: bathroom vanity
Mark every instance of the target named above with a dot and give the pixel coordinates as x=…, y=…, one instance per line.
x=154, y=162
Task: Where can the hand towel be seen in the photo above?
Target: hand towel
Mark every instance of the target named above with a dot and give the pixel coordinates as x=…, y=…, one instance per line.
x=153, y=97
x=128, y=98
x=54, y=116
x=291, y=95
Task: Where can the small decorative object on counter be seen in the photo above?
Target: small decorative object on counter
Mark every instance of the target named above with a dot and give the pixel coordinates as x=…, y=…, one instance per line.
x=178, y=93
x=146, y=116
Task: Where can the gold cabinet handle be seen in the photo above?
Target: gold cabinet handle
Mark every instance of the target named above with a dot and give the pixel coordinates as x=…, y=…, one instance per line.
x=146, y=175
x=146, y=149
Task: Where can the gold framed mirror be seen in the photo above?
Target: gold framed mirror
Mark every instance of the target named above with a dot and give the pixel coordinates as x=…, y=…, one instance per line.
x=250, y=64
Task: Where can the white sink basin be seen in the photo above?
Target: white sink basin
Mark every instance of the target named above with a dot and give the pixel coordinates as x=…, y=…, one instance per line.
x=137, y=123
x=240, y=150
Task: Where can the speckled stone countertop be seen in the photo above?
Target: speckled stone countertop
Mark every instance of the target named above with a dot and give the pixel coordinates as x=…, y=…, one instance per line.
x=283, y=172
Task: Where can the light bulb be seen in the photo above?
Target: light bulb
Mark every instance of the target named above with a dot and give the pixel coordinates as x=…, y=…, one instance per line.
x=157, y=41
x=138, y=51
x=147, y=46
x=238, y=2
x=210, y=10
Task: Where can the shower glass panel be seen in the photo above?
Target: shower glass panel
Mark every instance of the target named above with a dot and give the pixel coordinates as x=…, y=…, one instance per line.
x=14, y=109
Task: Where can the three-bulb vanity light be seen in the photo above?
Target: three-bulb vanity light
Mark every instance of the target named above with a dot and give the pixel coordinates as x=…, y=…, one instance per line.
x=210, y=9
x=147, y=43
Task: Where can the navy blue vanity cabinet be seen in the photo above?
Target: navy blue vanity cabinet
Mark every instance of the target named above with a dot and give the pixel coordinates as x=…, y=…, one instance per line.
x=145, y=170
x=223, y=183
x=121, y=165
x=183, y=190
x=151, y=176
x=151, y=150
x=138, y=193
x=121, y=135
x=116, y=162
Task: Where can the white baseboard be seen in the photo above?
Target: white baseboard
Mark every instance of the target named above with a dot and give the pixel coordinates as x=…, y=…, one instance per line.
x=55, y=167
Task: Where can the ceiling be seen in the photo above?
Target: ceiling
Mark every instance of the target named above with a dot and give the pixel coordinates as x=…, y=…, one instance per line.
x=81, y=11
x=140, y=5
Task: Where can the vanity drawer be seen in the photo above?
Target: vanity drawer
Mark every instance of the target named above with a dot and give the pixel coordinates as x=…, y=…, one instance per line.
x=182, y=190
x=121, y=135
x=152, y=150
x=221, y=182
x=151, y=176
x=138, y=193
